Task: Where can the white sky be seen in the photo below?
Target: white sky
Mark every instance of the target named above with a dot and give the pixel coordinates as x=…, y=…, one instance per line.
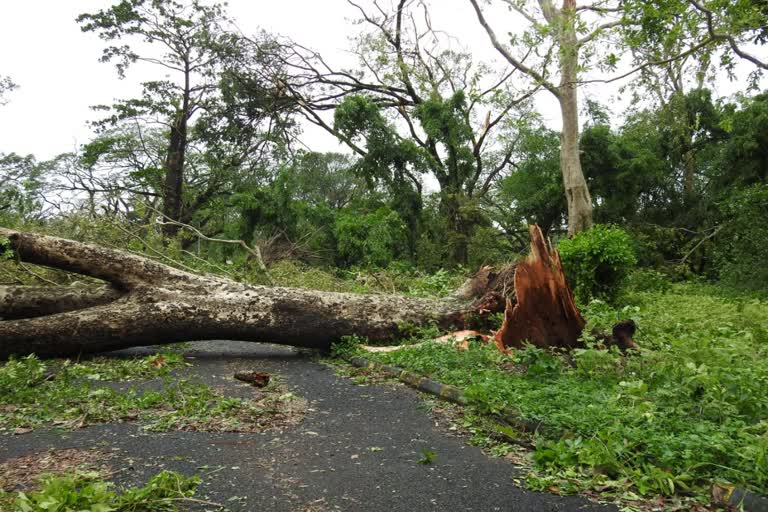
x=57, y=68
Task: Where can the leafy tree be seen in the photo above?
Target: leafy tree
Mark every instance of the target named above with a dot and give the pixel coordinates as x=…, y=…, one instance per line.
x=375, y=238
x=745, y=151
x=21, y=186
x=413, y=109
x=187, y=42
x=569, y=35
x=325, y=179
x=534, y=192
x=741, y=244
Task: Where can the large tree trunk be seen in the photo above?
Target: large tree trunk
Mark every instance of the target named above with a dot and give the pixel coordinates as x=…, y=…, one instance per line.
x=148, y=303
x=151, y=303
x=173, y=185
x=576, y=190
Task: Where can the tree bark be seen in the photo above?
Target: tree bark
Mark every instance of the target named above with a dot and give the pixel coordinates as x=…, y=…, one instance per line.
x=31, y=301
x=173, y=187
x=577, y=193
x=174, y=174
x=152, y=303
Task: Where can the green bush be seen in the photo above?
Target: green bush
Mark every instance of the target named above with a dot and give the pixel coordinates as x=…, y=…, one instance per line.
x=741, y=246
x=597, y=262
x=374, y=239
x=649, y=280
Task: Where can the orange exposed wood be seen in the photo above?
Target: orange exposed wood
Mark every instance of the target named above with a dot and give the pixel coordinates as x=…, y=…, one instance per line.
x=545, y=314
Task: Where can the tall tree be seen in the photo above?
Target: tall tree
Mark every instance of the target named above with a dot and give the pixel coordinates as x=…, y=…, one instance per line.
x=565, y=34
x=416, y=106
x=186, y=42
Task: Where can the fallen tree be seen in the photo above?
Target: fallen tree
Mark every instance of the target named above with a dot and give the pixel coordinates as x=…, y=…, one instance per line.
x=148, y=303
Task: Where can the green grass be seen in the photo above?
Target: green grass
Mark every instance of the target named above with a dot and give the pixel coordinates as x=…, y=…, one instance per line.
x=691, y=408
x=63, y=394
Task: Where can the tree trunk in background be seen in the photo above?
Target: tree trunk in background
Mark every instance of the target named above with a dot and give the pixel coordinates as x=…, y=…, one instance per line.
x=576, y=190
x=174, y=174
x=689, y=174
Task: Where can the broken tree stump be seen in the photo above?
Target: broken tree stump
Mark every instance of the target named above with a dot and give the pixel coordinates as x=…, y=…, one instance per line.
x=545, y=314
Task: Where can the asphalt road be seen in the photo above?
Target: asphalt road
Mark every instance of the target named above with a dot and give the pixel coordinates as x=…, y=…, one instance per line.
x=356, y=449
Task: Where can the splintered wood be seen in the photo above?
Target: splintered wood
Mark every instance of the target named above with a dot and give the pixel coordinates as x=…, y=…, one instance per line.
x=544, y=314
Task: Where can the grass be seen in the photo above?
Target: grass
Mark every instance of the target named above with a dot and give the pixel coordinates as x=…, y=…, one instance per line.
x=63, y=394
x=88, y=492
x=689, y=409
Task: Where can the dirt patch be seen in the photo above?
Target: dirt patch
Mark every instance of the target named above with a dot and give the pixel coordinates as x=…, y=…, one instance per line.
x=21, y=473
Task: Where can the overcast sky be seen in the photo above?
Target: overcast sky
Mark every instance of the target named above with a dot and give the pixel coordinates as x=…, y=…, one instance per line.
x=57, y=68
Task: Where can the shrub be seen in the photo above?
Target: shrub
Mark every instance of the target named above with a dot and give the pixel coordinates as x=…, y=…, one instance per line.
x=741, y=247
x=649, y=280
x=597, y=261
x=375, y=238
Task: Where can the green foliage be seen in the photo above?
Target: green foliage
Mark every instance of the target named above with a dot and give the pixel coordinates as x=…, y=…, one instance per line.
x=80, y=492
x=438, y=284
x=21, y=187
x=34, y=393
x=672, y=25
x=427, y=456
x=538, y=361
x=536, y=188
x=105, y=368
x=689, y=408
x=741, y=247
x=6, y=251
x=597, y=261
x=374, y=238
x=745, y=151
x=648, y=280
x=347, y=346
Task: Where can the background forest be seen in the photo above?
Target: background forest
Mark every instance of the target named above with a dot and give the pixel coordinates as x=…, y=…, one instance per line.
x=448, y=158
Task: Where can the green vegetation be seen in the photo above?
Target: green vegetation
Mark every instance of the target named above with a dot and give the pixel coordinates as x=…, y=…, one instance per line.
x=688, y=409
x=427, y=456
x=35, y=393
x=84, y=492
x=447, y=162
x=597, y=261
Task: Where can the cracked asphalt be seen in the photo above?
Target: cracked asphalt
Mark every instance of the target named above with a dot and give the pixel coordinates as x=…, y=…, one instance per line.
x=357, y=448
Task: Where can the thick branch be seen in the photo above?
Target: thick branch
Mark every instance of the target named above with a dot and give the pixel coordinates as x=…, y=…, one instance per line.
x=125, y=271
x=32, y=301
x=510, y=58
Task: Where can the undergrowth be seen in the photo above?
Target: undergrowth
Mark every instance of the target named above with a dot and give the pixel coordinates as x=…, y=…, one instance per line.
x=85, y=492
x=63, y=394
x=688, y=409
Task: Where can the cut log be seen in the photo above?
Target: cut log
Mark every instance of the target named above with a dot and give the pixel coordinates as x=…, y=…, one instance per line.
x=151, y=303
x=545, y=314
